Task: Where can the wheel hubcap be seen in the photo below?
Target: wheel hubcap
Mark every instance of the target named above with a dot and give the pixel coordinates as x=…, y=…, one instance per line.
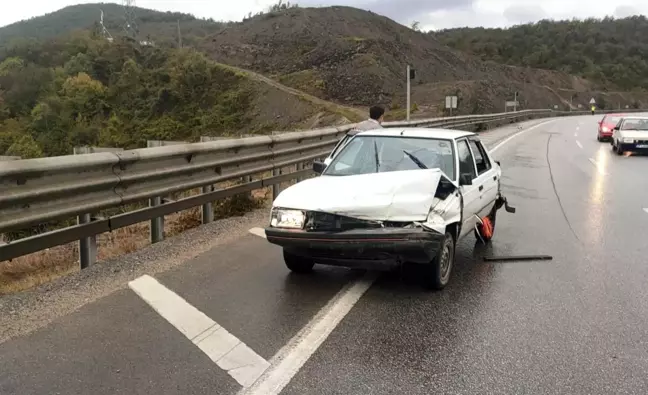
x=445, y=261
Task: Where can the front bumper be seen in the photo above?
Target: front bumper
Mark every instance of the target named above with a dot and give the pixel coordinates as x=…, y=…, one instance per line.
x=636, y=146
x=381, y=248
x=605, y=135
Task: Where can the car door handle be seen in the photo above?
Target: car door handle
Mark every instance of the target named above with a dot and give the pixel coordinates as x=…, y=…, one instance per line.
x=481, y=188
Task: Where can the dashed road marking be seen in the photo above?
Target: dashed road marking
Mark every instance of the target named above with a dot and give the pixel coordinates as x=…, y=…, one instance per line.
x=293, y=355
x=258, y=232
x=579, y=144
x=228, y=352
x=646, y=210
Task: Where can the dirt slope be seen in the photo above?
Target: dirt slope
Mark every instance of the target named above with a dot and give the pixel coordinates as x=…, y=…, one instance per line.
x=358, y=58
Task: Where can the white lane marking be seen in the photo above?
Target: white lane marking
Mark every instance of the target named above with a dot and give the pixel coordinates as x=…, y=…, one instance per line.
x=646, y=210
x=578, y=127
x=498, y=146
x=293, y=355
x=579, y=144
x=228, y=352
x=258, y=232
x=598, y=168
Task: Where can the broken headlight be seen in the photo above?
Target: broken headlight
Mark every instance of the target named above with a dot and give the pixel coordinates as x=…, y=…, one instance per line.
x=287, y=218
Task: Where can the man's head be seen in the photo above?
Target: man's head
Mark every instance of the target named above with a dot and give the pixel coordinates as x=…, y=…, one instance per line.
x=377, y=113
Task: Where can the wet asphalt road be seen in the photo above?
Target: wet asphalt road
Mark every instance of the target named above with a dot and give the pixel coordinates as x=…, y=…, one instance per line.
x=577, y=324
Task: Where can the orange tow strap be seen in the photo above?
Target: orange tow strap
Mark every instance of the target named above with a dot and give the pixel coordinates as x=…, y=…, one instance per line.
x=487, y=228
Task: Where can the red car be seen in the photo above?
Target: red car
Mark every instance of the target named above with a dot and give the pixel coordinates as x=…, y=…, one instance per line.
x=606, y=125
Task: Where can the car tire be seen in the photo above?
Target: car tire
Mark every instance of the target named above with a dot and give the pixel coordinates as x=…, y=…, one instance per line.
x=478, y=233
x=437, y=273
x=619, y=149
x=298, y=264
x=598, y=138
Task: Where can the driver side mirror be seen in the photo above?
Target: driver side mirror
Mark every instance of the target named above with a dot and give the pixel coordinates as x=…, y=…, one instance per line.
x=465, y=179
x=616, y=128
x=319, y=167
x=498, y=163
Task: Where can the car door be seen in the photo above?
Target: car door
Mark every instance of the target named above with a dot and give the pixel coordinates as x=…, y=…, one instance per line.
x=487, y=178
x=470, y=193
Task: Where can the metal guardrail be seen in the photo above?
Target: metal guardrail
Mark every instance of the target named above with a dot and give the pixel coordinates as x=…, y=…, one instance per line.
x=36, y=191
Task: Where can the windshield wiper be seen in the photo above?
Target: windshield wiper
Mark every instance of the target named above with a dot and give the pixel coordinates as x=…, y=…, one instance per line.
x=415, y=160
x=376, y=157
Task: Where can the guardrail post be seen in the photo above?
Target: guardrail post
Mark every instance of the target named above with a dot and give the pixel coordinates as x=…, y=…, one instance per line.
x=299, y=167
x=207, y=208
x=157, y=224
x=87, y=245
x=276, y=188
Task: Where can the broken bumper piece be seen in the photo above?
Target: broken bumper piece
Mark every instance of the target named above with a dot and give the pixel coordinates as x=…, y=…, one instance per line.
x=502, y=201
x=376, y=249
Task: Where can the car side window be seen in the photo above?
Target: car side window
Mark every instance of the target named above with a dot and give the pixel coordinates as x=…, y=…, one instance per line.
x=466, y=161
x=481, y=158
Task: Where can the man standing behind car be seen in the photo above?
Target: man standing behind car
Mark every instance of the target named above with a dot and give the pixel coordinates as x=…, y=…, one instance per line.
x=376, y=116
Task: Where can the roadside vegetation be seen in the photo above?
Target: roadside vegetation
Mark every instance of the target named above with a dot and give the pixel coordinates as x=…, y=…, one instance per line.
x=611, y=51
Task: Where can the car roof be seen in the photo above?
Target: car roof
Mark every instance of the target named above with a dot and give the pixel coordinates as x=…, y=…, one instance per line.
x=429, y=133
x=636, y=117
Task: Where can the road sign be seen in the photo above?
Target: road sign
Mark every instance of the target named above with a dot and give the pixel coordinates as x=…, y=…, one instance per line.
x=592, y=101
x=512, y=103
x=555, y=106
x=451, y=102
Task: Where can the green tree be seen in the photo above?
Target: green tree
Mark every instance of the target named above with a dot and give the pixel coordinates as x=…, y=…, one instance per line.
x=25, y=147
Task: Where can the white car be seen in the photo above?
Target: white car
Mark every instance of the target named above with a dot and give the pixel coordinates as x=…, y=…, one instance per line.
x=630, y=134
x=391, y=196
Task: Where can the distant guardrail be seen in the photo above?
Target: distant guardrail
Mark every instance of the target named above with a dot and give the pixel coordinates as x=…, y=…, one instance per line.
x=36, y=191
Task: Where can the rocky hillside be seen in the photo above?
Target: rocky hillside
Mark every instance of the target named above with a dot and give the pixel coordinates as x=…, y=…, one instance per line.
x=358, y=57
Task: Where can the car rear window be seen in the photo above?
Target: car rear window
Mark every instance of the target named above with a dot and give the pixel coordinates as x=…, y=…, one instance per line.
x=613, y=120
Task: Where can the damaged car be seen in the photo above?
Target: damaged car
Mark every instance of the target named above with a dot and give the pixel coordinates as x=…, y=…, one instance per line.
x=388, y=197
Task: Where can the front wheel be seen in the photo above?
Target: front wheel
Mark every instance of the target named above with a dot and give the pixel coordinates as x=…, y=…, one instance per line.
x=297, y=263
x=619, y=149
x=437, y=273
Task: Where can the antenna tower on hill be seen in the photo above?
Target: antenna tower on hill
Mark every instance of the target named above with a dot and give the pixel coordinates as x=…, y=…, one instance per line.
x=130, y=25
x=104, y=32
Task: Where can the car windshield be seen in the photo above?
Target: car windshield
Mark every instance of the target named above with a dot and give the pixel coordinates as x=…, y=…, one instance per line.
x=380, y=154
x=635, y=124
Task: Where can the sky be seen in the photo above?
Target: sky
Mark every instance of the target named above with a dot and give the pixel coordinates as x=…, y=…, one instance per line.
x=431, y=14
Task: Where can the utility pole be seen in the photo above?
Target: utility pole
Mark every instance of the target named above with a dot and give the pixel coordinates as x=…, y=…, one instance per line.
x=408, y=93
x=515, y=102
x=179, y=35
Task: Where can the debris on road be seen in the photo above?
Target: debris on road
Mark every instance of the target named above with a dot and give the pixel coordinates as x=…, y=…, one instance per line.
x=518, y=258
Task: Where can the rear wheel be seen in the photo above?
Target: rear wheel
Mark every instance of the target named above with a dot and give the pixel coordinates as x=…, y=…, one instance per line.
x=486, y=230
x=297, y=263
x=437, y=273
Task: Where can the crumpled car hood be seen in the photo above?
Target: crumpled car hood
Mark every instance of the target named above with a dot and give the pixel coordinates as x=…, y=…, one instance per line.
x=405, y=196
